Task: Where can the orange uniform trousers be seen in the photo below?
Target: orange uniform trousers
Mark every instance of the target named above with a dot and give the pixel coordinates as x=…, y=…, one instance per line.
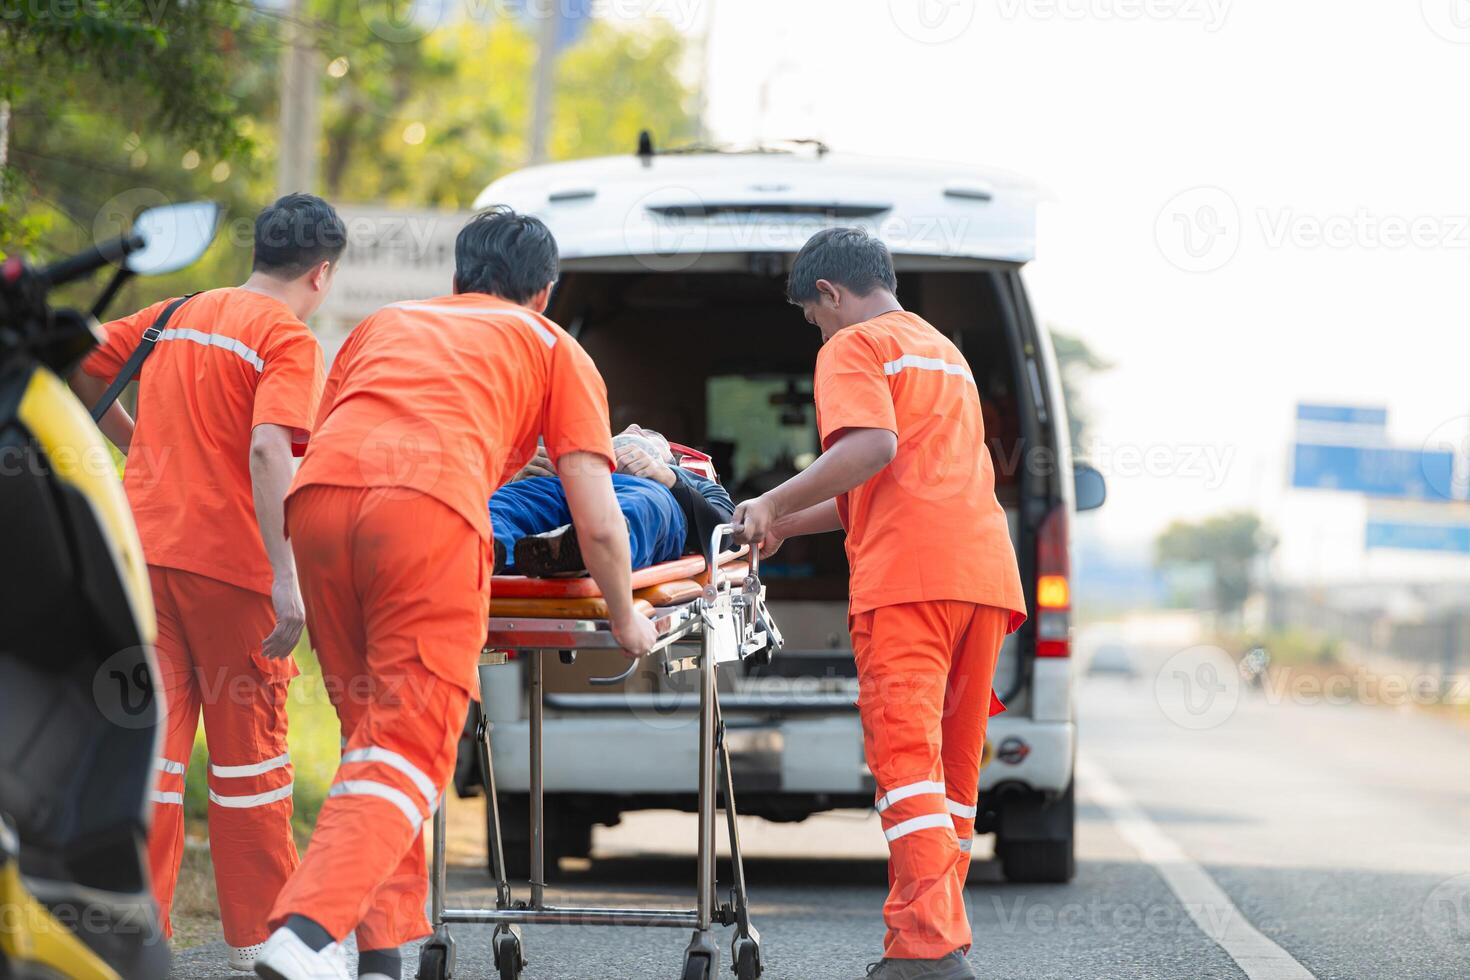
x=209, y=635
x=925, y=671
x=396, y=591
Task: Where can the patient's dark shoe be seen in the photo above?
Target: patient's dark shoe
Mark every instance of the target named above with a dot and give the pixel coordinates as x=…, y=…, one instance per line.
x=553, y=553
x=499, y=557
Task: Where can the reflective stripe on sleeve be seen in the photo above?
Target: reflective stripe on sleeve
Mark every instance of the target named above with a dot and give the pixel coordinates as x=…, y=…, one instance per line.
x=169, y=766
x=926, y=822
x=367, y=787
x=920, y=363
x=253, y=800
x=393, y=760
x=966, y=843
x=254, y=769
x=175, y=798
x=904, y=792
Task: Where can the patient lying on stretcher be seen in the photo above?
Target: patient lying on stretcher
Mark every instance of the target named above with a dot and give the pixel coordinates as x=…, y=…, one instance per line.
x=670, y=511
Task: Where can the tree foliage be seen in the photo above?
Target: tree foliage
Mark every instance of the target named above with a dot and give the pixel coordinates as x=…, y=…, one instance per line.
x=1077, y=362
x=1229, y=545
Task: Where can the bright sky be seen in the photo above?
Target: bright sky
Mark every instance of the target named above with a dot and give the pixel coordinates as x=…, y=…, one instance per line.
x=1343, y=120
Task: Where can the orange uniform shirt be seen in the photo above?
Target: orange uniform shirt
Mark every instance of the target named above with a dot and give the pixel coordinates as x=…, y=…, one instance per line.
x=228, y=361
x=447, y=396
x=928, y=526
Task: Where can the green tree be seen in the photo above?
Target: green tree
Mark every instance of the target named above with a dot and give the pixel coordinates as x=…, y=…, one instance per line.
x=1230, y=545
x=81, y=80
x=1078, y=362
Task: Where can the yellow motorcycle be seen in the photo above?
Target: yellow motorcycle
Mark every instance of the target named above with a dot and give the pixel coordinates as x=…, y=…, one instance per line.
x=79, y=712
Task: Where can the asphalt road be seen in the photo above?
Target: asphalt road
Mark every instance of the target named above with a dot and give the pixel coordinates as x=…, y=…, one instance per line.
x=1221, y=833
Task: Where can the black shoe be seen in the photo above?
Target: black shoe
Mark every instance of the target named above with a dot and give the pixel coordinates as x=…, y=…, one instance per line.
x=553, y=553
x=499, y=558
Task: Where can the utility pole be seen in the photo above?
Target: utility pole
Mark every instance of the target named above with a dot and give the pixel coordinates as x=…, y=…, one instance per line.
x=544, y=80
x=301, y=73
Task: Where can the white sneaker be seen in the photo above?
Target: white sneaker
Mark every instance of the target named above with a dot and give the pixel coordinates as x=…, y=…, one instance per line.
x=242, y=958
x=285, y=957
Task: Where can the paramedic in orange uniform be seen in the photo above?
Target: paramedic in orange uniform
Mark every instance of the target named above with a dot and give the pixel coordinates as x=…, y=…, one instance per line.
x=430, y=407
x=934, y=589
x=230, y=389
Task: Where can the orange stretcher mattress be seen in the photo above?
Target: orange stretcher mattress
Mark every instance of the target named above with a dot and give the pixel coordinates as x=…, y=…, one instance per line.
x=665, y=584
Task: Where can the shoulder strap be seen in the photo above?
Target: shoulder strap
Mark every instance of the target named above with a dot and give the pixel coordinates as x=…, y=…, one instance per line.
x=136, y=359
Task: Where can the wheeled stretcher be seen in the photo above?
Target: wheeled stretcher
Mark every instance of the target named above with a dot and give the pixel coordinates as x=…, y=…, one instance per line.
x=708, y=612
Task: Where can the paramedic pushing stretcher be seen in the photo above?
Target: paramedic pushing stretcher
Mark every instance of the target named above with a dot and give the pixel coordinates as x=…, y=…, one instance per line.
x=429, y=407
x=934, y=589
x=230, y=388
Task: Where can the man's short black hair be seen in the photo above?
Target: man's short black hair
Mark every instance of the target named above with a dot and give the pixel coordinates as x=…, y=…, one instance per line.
x=506, y=254
x=846, y=256
x=296, y=234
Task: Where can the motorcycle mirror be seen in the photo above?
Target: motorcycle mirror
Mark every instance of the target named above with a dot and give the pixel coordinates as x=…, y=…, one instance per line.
x=174, y=236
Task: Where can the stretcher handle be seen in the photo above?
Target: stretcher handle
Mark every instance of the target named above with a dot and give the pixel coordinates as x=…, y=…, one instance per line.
x=711, y=557
x=610, y=681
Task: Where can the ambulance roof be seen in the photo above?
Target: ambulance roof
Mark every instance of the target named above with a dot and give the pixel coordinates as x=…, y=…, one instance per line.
x=769, y=200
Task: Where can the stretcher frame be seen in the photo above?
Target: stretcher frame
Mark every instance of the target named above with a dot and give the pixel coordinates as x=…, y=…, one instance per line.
x=729, y=626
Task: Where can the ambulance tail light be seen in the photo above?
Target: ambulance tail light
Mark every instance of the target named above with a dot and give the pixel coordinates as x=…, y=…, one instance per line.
x=1053, y=587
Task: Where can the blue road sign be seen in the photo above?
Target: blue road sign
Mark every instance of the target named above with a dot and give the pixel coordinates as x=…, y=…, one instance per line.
x=1413, y=536
x=1343, y=414
x=1374, y=470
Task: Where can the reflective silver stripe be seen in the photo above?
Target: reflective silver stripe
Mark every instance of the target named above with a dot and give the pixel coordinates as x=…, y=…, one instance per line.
x=366, y=787
x=904, y=792
x=547, y=337
x=395, y=761
x=256, y=799
x=966, y=843
x=927, y=821
x=255, y=769
x=960, y=810
x=169, y=766
x=175, y=798
x=214, y=340
x=921, y=363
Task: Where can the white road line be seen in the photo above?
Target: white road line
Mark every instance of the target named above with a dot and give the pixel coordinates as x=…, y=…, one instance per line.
x=1206, y=903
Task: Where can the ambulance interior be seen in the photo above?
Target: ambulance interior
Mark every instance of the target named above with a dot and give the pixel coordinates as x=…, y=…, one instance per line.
x=721, y=361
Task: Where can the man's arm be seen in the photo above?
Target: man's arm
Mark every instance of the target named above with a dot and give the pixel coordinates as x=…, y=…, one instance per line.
x=710, y=490
x=856, y=456
x=603, y=537
x=116, y=423
x=270, y=478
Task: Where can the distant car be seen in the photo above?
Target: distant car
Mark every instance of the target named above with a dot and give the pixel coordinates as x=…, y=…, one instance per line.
x=672, y=276
x=1112, y=659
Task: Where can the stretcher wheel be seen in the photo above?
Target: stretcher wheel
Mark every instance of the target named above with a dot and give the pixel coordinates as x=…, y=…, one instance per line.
x=697, y=967
x=508, y=957
x=747, y=959
x=433, y=963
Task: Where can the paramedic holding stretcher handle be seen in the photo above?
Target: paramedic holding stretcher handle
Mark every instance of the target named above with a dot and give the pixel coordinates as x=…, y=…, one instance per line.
x=934, y=588
x=429, y=408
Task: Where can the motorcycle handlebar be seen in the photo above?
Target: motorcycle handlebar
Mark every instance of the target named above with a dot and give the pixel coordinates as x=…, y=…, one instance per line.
x=94, y=258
